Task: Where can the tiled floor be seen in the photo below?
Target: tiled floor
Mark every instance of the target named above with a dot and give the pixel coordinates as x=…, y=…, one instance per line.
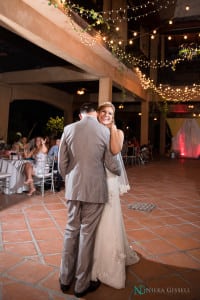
x=167, y=238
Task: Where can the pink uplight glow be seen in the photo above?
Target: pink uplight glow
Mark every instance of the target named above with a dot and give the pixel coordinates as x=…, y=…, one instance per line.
x=187, y=140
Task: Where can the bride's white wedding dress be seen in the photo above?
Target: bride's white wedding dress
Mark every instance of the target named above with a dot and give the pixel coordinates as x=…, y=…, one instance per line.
x=112, y=251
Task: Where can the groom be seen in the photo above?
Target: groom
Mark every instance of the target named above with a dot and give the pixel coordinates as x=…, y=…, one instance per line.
x=83, y=155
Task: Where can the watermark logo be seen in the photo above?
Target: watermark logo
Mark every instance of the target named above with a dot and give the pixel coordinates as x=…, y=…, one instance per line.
x=143, y=290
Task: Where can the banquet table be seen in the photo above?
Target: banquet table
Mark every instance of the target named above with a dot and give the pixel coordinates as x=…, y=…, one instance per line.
x=15, y=168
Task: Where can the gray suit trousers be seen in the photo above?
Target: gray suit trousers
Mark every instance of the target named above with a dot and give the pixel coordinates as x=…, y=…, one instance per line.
x=79, y=238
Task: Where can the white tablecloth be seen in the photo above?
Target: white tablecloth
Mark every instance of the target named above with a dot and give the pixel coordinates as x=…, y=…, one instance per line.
x=15, y=168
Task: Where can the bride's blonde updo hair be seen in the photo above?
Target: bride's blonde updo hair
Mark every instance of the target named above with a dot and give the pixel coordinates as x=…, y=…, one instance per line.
x=105, y=104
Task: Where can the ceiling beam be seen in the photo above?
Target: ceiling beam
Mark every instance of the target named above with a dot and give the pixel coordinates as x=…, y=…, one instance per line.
x=51, y=29
x=46, y=75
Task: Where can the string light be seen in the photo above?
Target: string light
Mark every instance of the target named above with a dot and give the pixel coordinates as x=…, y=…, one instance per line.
x=166, y=93
x=115, y=15
x=169, y=93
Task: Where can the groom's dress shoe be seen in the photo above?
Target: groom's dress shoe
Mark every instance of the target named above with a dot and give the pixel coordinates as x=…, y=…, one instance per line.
x=92, y=287
x=64, y=287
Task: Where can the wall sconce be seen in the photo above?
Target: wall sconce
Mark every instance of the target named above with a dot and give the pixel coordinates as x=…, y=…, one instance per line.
x=121, y=106
x=81, y=91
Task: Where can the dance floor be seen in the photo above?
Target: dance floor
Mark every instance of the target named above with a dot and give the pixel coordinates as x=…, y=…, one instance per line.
x=167, y=238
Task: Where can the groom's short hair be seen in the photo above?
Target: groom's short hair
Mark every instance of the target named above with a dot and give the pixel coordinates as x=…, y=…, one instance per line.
x=87, y=108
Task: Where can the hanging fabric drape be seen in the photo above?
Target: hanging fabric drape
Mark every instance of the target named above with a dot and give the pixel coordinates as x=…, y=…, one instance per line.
x=187, y=140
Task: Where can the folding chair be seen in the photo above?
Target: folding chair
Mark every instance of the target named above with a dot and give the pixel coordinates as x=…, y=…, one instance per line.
x=5, y=182
x=46, y=176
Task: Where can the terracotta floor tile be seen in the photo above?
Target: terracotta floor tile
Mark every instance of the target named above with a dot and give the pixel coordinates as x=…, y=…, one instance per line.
x=8, y=260
x=167, y=231
x=146, y=269
x=184, y=243
x=157, y=247
x=49, y=247
x=131, y=224
x=10, y=217
x=191, y=218
x=30, y=272
x=41, y=223
x=180, y=259
x=55, y=206
x=14, y=225
x=141, y=234
x=195, y=253
x=151, y=222
x=52, y=282
x=192, y=277
x=37, y=214
x=46, y=234
x=188, y=229
x=53, y=260
x=22, y=249
x=16, y=236
x=18, y=291
x=169, y=220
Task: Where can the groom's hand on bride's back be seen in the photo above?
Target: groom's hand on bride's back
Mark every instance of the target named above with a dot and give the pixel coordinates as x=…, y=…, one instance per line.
x=112, y=163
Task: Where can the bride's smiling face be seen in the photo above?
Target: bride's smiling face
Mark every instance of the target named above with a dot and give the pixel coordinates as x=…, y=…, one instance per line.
x=106, y=115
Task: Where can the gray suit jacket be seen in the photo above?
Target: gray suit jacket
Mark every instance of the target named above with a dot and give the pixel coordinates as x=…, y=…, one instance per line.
x=83, y=155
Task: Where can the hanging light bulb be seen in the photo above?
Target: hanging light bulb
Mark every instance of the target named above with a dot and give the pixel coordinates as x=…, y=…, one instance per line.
x=185, y=37
x=170, y=22
x=169, y=37
x=187, y=7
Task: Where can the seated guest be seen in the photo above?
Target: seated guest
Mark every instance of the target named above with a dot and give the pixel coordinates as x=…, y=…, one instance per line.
x=39, y=154
x=20, y=144
x=53, y=151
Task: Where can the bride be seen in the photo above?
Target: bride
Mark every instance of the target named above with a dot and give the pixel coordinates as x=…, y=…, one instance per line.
x=112, y=252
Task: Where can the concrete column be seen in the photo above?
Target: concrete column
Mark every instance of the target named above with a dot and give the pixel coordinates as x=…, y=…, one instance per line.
x=144, y=132
x=162, y=133
x=5, y=99
x=162, y=57
x=107, y=5
x=105, y=90
x=68, y=112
